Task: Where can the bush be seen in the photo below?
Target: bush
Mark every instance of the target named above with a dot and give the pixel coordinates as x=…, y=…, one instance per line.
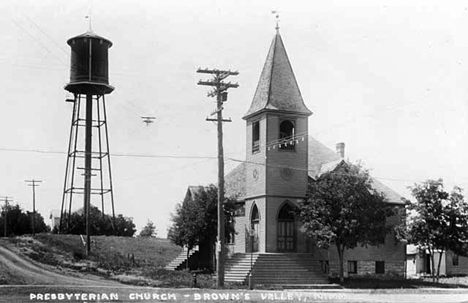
x=78, y=255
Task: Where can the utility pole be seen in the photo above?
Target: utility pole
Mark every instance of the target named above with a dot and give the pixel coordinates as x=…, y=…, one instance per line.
x=33, y=184
x=5, y=211
x=220, y=92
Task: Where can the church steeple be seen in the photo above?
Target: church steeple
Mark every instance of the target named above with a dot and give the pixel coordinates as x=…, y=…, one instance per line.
x=277, y=89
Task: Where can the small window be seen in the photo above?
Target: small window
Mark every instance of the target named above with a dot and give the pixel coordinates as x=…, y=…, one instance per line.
x=287, y=135
x=454, y=259
x=230, y=238
x=325, y=265
x=255, y=137
x=230, y=234
x=352, y=267
x=379, y=267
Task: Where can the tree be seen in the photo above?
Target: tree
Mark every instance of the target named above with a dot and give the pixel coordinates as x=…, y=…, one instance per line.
x=100, y=224
x=195, y=220
x=438, y=221
x=19, y=222
x=342, y=209
x=149, y=230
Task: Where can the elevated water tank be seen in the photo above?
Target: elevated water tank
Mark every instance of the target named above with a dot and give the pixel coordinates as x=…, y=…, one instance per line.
x=89, y=71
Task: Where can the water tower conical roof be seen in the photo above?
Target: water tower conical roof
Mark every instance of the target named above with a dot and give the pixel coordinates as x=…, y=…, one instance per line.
x=90, y=34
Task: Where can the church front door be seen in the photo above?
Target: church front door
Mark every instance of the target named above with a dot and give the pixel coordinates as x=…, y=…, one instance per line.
x=286, y=232
x=255, y=239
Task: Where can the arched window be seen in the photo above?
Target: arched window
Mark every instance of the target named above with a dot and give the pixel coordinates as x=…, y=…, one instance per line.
x=286, y=213
x=255, y=215
x=255, y=137
x=286, y=135
x=255, y=223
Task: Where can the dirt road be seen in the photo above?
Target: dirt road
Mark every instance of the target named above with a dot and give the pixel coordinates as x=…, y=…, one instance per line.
x=17, y=270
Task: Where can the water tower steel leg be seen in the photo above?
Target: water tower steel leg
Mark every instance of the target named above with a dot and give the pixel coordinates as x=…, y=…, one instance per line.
x=88, y=163
x=76, y=123
x=67, y=166
x=109, y=161
x=100, y=153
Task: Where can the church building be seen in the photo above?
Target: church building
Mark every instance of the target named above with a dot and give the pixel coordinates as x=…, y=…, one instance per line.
x=281, y=160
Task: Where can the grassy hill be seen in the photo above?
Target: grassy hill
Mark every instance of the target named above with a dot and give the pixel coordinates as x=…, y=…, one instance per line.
x=138, y=261
x=111, y=252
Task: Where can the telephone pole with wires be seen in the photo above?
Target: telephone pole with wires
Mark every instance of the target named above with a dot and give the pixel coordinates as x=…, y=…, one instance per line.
x=5, y=199
x=33, y=184
x=220, y=92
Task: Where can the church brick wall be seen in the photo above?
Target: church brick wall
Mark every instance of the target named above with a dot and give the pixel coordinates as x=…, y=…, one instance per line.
x=256, y=161
x=391, y=252
x=454, y=270
x=242, y=226
x=393, y=255
x=278, y=160
x=241, y=223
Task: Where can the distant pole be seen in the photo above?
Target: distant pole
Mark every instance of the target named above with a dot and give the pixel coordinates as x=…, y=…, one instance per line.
x=220, y=92
x=5, y=211
x=33, y=184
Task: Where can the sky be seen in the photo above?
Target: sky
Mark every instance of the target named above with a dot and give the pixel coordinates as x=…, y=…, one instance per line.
x=388, y=78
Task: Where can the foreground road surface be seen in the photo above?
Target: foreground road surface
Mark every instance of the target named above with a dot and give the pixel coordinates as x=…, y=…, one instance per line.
x=70, y=293
x=41, y=283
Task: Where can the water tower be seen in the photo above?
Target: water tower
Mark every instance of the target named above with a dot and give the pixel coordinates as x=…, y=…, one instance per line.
x=88, y=156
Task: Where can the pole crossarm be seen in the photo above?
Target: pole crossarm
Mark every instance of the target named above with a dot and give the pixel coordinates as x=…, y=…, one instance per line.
x=6, y=199
x=224, y=73
x=221, y=86
x=216, y=120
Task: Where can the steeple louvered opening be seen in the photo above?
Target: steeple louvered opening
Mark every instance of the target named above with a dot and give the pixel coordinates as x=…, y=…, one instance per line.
x=286, y=135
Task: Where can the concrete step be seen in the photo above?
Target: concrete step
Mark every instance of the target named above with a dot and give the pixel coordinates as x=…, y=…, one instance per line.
x=180, y=259
x=295, y=269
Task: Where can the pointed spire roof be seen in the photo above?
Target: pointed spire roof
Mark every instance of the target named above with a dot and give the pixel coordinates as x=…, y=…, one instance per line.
x=277, y=89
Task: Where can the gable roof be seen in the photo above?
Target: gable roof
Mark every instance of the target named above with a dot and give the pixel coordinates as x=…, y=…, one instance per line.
x=277, y=88
x=192, y=191
x=235, y=182
x=321, y=160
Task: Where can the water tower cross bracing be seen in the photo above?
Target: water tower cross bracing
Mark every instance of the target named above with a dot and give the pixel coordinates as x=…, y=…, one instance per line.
x=88, y=167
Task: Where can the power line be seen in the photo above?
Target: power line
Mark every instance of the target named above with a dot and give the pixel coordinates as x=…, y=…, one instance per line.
x=154, y=156
x=34, y=38
x=42, y=151
x=50, y=38
x=313, y=171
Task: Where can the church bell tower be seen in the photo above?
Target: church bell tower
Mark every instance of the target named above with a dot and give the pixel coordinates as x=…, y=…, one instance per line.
x=277, y=154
